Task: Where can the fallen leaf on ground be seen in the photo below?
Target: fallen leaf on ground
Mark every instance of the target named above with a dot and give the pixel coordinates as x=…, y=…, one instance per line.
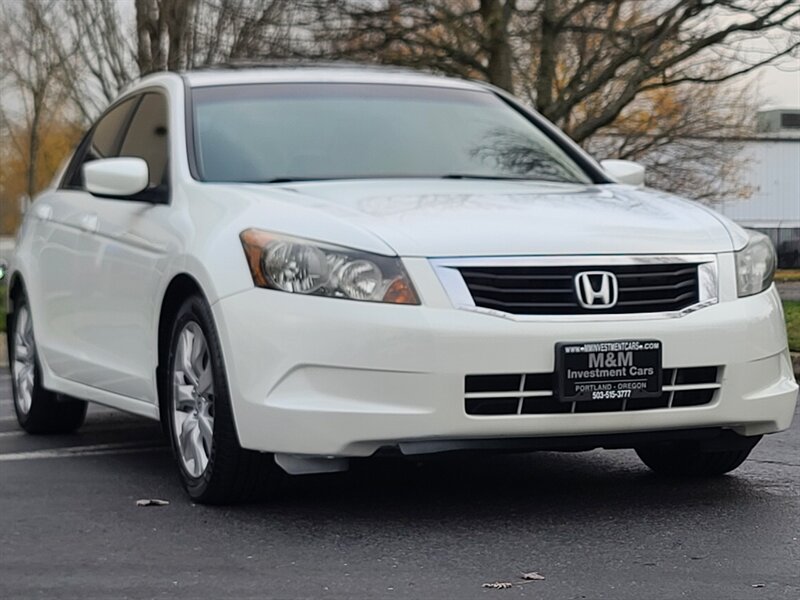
x=151, y=502
x=532, y=576
x=498, y=585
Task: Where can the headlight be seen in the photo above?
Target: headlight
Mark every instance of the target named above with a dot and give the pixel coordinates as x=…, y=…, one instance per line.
x=305, y=267
x=755, y=265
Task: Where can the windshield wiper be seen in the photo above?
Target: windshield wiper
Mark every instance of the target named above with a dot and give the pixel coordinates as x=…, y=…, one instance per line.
x=448, y=176
x=491, y=177
x=289, y=179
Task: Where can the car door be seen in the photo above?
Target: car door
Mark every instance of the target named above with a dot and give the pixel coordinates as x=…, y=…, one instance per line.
x=60, y=247
x=124, y=256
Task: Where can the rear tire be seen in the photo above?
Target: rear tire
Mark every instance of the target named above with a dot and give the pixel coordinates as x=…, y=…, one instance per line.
x=214, y=468
x=38, y=410
x=685, y=459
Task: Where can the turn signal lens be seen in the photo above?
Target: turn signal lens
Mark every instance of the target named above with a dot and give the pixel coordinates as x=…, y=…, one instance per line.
x=400, y=292
x=306, y=267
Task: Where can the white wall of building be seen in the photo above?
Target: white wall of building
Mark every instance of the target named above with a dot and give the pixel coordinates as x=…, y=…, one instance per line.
x=773, y=173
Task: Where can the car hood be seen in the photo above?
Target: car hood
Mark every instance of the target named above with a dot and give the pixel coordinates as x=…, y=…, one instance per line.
x=445, y=218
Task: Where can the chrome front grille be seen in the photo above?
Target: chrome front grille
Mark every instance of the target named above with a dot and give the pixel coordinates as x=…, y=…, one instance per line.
x=534, y=288
x=532, y=394
x=551, y=290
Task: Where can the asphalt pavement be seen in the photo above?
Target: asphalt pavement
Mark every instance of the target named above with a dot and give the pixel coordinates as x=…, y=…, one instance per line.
x=595, y=525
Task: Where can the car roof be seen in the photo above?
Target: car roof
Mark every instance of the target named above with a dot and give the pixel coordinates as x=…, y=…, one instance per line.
x=315, y=73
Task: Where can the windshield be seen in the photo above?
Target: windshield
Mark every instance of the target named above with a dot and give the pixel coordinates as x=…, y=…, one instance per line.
x=307, y=131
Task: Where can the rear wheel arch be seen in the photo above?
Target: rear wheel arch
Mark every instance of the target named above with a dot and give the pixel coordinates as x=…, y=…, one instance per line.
x=38, y=409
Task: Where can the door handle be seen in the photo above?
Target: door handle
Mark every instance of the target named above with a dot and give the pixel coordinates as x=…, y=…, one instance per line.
x=44, y=212
x=89, y=223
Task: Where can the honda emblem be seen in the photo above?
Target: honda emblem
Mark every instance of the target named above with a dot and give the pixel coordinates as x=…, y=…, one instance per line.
x=596, y=289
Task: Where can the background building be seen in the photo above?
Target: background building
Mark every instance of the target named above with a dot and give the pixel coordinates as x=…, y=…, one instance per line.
x=772, y=163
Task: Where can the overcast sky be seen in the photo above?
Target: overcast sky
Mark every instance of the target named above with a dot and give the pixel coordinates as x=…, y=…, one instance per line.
x=779, y=87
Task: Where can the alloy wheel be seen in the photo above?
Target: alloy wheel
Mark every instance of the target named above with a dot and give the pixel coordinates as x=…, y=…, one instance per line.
x=24, y=360
x=193, y=400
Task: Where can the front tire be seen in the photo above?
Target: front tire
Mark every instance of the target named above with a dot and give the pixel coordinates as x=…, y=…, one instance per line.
x=214, y=468
x=686, y=459
x=38, y=410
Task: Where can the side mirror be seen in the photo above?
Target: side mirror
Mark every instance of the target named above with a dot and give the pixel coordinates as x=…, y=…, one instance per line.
x=624, y=171
x=124, y=176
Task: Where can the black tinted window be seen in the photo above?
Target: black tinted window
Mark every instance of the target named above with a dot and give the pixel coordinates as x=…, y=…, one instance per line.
x=103, y=141
x=147, y=136
x=105, y=138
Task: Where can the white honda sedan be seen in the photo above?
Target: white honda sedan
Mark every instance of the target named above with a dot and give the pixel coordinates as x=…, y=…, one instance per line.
x=291, y=267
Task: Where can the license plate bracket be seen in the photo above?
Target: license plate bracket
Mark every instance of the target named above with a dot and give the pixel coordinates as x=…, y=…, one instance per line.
x=612, y=370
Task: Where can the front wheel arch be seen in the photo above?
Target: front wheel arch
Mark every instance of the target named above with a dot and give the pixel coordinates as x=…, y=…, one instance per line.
x=231, y=473
x=181, y=287
x=16, y=290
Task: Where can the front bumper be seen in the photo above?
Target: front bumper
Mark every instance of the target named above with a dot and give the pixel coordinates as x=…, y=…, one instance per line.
x=326, y=377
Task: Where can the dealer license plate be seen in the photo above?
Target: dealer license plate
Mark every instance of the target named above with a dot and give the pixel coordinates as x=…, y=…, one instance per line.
x=608, y=370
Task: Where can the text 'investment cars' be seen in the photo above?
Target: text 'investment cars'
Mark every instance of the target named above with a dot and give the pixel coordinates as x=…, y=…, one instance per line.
x=291, y=267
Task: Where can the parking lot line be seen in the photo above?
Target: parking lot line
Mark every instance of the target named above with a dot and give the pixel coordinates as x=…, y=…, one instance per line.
x=77, y=451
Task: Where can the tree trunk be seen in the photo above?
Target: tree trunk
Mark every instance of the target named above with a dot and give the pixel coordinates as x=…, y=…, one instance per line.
x=548, y=58
x=496, y=17
x=178, y=23
x=33, y=144
x=151, y=35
